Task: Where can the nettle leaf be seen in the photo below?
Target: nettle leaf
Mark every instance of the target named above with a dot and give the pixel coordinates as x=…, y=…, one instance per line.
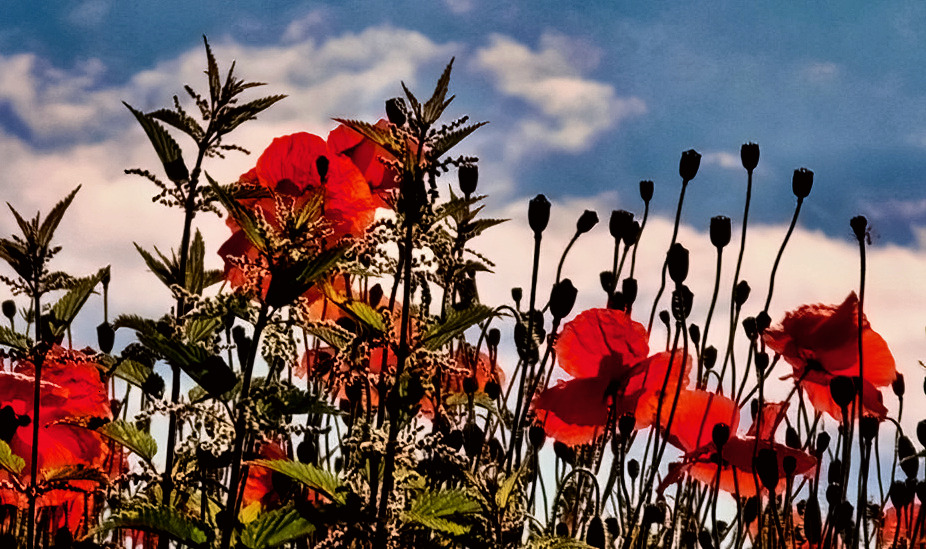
x=126, y=434
x=436, y=104
x=457, y=322
x=380, y=136
x=17, y=257
x=242, y=216
x=290, y=282
x=367, y=315
x=477, y=227
x=47, y=230
x=167, y=149
x=201, y=328
x=133, y=371
x=195, y=265
x=160, y=520
x=235, y=116
x=212, y=71
x=179, y=120
x=73, y=472
x=275, y=528
x=163, y=268
x=13, y=339
x=509, y=485
x=10, y=461
x=65, y=309
x=332, y=334
x=322, y=481
x=450, y=140
x=435, y=510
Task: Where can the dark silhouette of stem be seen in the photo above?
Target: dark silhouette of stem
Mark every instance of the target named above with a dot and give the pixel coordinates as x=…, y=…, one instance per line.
x=710, y=314
x=665, y=262
x=781, y=251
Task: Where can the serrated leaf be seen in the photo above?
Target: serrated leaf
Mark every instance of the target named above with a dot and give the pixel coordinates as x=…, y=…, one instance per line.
x=178, y=120
x=133, y=371
x=242, y=216
x=369, y=316
x=555, y=542
x=126, y=434
x=435, y=106
x=449, y=140
x=235, y=116
x=195, y=265
x=200, y=328
x=161, y=520
x=412, y=101
x=167, y=149
x=65, y=309
x=17, y=258
x=51, y=222
x=376, y=134
x=509, y=484
x=13, y=339
x=212, y=72
x=275, y=528
x=10, y=461
x=73, y=472
x=162, y=268
x=316, y=478
x=457, y=322
x=476, y=227
x=434, y=510
x=335, y=336
x=289, y=282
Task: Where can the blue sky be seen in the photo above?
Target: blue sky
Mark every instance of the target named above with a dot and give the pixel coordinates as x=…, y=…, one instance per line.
x=836, y=87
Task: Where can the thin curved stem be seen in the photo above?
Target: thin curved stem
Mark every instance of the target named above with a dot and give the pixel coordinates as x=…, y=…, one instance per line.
x=665, y=263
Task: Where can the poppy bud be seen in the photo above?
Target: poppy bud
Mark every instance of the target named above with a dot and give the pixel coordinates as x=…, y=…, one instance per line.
x=689, y=164
x=869, y=428
x=469, y=385
x=625, y=425
x=537, y=436
x=763, y=321
x=720, y=434
x=740, y=293
x=749, y=326
x=473, y=440
x=682, y=299
x=629, y=289
x=664, y=317
x=307, y=451
x=859, y=226
x=492, y=390
x=564, y=452
x=562, y=298
x=694, y=332
x=834, y=474
x=646, y=190
x=468, y=175
x=454, y=439
x=375, y=295
x=653, y=514
x=842, y=388
x=704, y=540
x=792, y=439
x=802, y=182
x=620, y=223
x=720, y=231
x=761, y=359
x=677, y=259
x=823, y=442
x=789, y=464
x=709, y=356
x=607, y=281
x=586, y=221
x=516, y=295
x=594, y=535
x=632, y=234
x=321, y=166
x=833, y=495
x=105, y=336
x=493, y=337
x=813, y=521
x=766, y=465
x=395, y=111
x=750, y=510
x=9, y=308
x=562, y=530
x=633, y=468
x=538, y=214
x=906, y=453
x=749, y=154
x=899, y=386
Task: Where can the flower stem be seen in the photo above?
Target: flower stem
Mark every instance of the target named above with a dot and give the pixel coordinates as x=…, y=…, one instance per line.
x=665, y=263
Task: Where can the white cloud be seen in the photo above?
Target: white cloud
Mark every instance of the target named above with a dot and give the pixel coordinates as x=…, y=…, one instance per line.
x=459, y=7
x=723, y=159
x=569, y=110
x=820, y=72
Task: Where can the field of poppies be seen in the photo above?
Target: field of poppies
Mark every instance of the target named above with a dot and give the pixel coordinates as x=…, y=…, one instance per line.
x=340, y=384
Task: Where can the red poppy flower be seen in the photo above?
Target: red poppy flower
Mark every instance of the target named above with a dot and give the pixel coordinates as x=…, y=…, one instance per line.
x=71, y=388
x=820, y=342
x=261, y=485
x=606, y=353
x=369, y=158
x=289, y=169
x=907, y=522
x=692, y=431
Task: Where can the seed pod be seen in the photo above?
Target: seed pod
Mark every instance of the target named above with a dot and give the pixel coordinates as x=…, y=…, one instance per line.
x=538, y=214
x=493, y=337
x=749, y=155
x=842, y=388
x=802, y=182
x=607, y=281
x=682, y=300
x=688, y=165
x=823, y=442
x=468, y=175
x=629, y=289
x=720, y=231
x=709, y=356
x=766, y=464
x=869, y=428
x=633, y=468
x=859, y=226
x=537, y=436
x=395, y=111
x=763, y=321
x=9, y=308
x=741, y=293
x=586, y=221
x=646, y=190
x=562, y=298
x=105, y=336
x=517, y=294
x=620, y=223
x=677, y=260
x=321, y=166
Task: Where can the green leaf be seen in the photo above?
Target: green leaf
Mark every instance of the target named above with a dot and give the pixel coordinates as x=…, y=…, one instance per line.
x=163, y=268
x=10, y=461
x=179, y=120
x=450, y=140
x=332, y=334
x=65, y=309
x=412, y=101
x=242, y=216
x=369, y=316
x=476, y=227
x=316, y=478
x=17, y=257
x=275, y=528
x=167, y=149
x=380, y=136
x=14, y=339
x=454, y=325
x=47, y=230
x=212, y=71
x=435, y=106
x=73, y=472
x=200, y=328
x=159, y=519
x=289, y=282
x=435, y=510
x=235, y=116
x=194, y=278
x=134, y=372
x=554, y=542
x=126, y=434
x=509, y=484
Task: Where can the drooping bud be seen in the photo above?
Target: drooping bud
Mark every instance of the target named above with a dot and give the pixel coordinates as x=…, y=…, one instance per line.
x=395, y=111
x=538, y=214
x=823, y=442
x=620, y=223
x=629, y=289
x=537, y=436
x=321, y=166
x=720, y=231
x=646, y=190
x=767, y=467
x=562, y=298
x=689, y=164
x=749, y=155
x=473, y=440
x=9, y=308
x=493, y=337
x=468, y=175
x=586, y=221
x=720, y=435
x=694, y=332
x=859, y=226
x=899, y=386
x=741, y=293
x=105, y=336
x=677, y=260
x=633, y=469
x=842, y=388
x=709, y=356
x=763, y=321
x=761, y=359
x=802, y=182
x=906, y=454
x=565, y=453
x=664, y=317
x=749, y=326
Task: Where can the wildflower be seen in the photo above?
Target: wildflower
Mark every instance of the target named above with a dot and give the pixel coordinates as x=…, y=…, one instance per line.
x=370, y=158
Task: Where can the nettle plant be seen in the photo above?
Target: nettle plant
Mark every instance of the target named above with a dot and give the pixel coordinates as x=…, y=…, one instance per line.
x=338, y=383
